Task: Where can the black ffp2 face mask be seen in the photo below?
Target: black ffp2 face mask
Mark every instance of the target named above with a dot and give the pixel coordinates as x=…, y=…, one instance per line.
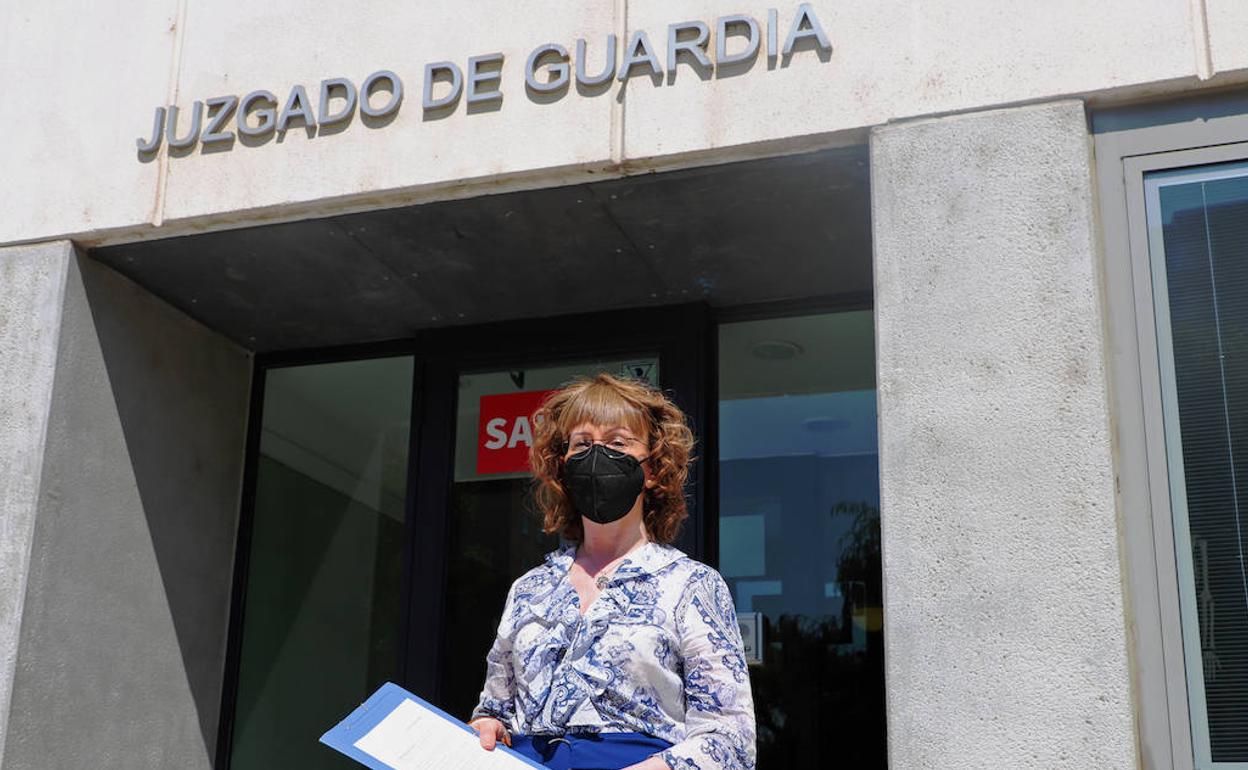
x=603, y=483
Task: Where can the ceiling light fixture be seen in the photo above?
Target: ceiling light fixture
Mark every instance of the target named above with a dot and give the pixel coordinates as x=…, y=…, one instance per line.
x=775, y=350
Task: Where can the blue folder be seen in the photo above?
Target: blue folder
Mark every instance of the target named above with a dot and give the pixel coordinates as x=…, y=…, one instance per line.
x=389, y=696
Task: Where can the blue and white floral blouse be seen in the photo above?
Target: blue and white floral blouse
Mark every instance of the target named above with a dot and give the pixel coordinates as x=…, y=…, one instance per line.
x=658, y=652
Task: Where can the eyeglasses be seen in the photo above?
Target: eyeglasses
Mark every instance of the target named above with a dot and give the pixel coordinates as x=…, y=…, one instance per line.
x=582, y=442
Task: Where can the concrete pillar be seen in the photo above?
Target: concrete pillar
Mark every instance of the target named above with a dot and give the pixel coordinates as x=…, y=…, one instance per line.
x=133, y=421
x=1004, y=595
x=32, y=288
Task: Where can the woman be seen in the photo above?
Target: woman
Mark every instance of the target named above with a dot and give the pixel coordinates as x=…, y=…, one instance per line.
x=619, y=651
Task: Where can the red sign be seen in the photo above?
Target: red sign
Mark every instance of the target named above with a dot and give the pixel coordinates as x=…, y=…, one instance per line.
x=505, y=431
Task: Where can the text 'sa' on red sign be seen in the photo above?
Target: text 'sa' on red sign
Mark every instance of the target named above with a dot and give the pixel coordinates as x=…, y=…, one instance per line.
x=505, y=431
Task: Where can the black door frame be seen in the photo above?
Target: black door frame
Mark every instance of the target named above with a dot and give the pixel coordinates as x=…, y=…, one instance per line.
x=683, y=336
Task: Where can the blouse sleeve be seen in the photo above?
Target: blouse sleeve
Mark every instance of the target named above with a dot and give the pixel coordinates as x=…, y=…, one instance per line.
x=719, y=708
x=498, y=696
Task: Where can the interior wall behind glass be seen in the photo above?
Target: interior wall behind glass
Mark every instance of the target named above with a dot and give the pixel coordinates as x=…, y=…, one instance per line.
x=799, y=533
x=321, y=623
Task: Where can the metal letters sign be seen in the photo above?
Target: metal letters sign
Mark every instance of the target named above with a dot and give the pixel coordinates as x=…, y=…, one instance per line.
x=549, y=71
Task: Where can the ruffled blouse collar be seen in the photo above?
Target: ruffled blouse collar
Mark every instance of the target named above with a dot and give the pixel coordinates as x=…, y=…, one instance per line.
x=647, y=559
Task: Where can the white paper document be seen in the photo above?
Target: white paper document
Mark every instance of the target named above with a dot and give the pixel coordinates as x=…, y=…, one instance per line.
x=395, y=730
x=414, y=738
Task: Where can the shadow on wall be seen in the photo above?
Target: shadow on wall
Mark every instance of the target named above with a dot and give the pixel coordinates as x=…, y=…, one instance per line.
x=181, y=395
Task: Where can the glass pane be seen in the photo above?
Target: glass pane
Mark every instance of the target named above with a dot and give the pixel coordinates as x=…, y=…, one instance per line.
x=322, y=604
x=495, y=534
x=1203, y=221
x=799, y=534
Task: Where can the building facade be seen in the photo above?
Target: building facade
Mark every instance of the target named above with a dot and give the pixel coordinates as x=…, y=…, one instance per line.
x=955, y=295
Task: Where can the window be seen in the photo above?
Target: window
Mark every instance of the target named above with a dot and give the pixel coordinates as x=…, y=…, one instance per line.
x=799, y=533
x=1198, y=247
x=322, y=597
x=1171, y=204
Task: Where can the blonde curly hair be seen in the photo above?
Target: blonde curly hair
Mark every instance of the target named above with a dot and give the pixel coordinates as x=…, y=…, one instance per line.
x=608, y=401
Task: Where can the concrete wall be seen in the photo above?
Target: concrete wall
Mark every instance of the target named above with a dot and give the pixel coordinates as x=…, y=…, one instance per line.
x=123, y=631
x=72, y=120
x=1006, y=640
x=32, y=285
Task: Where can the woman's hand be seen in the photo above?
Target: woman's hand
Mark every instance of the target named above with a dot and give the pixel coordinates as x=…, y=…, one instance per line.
x=490, y=731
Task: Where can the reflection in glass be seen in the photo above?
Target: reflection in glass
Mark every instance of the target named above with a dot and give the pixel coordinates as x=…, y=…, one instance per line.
x=1202, y=263
x=495, y=534
x=320, y=630
x=799, y=533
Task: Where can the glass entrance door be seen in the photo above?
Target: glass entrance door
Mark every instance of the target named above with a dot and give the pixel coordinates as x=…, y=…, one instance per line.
x=494, y=533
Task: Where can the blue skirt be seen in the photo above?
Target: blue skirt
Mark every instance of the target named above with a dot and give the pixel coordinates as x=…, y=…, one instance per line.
x=588, y=751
